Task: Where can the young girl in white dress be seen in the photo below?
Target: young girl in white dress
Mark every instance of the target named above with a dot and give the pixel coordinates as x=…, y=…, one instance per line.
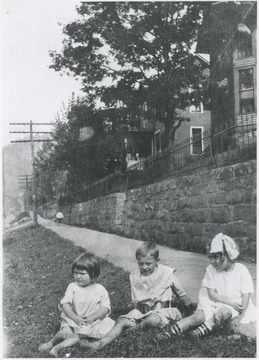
x=84, y=308
x=225, y=294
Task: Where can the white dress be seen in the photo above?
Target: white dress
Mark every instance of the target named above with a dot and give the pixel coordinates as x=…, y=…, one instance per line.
x=85, y=301
x=232, y=284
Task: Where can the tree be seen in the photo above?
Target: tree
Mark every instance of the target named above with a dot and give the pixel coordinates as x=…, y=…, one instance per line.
x=88, y=144
x=128, y=53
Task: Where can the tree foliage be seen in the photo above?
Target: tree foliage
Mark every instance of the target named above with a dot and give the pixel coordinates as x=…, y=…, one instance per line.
x=76, y=159
x=128, y=53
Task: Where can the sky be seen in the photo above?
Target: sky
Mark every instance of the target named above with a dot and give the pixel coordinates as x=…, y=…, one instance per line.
x=29, y=89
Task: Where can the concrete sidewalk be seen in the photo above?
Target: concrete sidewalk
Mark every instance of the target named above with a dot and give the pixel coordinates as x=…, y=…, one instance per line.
x=190, y=267
x=120, y=251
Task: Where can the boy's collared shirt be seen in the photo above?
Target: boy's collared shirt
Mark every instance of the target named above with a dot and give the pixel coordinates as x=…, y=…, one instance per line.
x=157, y=286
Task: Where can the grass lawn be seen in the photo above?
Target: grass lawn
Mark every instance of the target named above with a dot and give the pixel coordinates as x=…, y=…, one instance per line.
x=37, y=271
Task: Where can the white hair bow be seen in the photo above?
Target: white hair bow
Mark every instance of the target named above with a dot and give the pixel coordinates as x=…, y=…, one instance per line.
x=220, y=241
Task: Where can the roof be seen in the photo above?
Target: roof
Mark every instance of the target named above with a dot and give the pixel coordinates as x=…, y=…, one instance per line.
x=204, y=57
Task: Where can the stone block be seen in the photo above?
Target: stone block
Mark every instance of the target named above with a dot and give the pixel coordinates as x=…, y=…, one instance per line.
x=193, y=190
x=218, y=198
x=236, y=229
x=193, y=229
x=251, y=249
x=182, y=203
x=242, y=242
x=193, y=215
x=250, y=195
x=251, y=231
x=211, y=187
x=177, y=228
x=235, y=196
x=175, y=194
x=245, y=169
x=163, y=215
x=224, y=173
x=197, y=202
x=251, y=181
x=231, y=185
x=245, y=212
x=211, y=229
x=220, y=214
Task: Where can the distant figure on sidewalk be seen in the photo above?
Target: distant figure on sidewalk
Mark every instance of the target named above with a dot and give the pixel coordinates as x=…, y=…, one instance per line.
x=59, y=217
x=225, y=294
x=152, y=289
x=84, y=308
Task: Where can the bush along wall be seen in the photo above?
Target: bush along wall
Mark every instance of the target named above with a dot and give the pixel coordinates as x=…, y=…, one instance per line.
x=183, y=213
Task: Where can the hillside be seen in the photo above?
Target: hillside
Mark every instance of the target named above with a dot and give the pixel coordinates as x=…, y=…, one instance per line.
x=16, y=162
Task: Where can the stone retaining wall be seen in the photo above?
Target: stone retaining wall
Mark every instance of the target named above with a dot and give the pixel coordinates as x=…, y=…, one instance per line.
x=183, y=213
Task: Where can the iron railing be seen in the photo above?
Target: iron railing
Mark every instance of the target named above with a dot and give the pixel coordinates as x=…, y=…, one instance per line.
x=232, y=145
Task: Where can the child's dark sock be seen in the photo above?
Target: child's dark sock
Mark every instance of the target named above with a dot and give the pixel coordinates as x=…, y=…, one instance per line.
x=176, y=329
x=201, y=331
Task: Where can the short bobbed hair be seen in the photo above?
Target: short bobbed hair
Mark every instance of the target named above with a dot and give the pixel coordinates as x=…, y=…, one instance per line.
x=88, y=262
x=148, y=248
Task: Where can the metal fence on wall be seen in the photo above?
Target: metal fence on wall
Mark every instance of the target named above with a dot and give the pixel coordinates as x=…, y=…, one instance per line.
x=232, y=145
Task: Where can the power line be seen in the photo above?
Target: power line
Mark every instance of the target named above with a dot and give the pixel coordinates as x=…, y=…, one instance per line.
x=32, y=141
x=16, y=123
x=28, y=132
x=26, y=141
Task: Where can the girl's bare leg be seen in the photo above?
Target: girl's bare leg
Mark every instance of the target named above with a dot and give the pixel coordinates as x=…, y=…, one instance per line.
x=69, y=341
x=120, y=325
x=222, y=315
x=57, y=338
x=191, y=322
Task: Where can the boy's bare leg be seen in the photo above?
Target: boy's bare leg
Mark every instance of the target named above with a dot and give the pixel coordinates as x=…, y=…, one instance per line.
x=70, y=341
x=193, y=321
x=152, y=320
x=120, y=325
x=57, y=338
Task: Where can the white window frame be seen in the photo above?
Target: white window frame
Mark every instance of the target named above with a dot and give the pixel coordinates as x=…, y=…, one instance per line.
x=191, y=139
x=253, y=90
x=243, y=64
x=154, y=142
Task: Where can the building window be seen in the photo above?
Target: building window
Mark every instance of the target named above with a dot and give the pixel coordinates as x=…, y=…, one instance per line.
x=196, y=108
x=157, y=142
x=196, y=140
x=145, y=107
x=246, y=91
x=244, y=41
x=144, y=123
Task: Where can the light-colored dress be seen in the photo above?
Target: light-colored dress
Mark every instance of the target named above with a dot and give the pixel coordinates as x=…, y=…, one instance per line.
x=232, y=284
x=154, y=290
x=59, y=215
x=85, y=301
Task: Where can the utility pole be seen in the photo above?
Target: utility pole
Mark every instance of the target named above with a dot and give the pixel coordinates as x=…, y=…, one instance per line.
x=24, y=181
x=32, y=141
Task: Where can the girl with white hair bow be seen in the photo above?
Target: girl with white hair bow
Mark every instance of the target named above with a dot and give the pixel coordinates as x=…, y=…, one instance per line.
x=225, y=294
